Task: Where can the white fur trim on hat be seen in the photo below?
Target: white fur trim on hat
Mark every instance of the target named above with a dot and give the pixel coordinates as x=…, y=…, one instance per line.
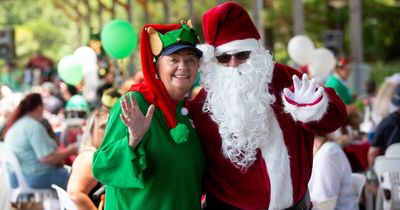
x=307, y=114
x=208, y=52
x=237, y=46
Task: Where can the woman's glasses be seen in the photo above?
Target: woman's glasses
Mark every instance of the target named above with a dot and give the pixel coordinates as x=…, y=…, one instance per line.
x=225, y=58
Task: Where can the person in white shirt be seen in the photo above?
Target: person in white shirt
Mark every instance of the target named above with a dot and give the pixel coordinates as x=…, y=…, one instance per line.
x=331, y=175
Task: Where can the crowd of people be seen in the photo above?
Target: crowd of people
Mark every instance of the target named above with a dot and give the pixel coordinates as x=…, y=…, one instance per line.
x=257, y=135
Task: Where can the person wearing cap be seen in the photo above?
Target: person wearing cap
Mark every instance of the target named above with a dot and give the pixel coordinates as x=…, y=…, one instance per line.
x=337, y=81
x=151, y=156
x=387, y=131
x=256, y=118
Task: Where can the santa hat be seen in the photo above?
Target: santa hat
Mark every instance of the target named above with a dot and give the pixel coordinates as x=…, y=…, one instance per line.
x=158, y=40
x=229, y=28
x=342, y=61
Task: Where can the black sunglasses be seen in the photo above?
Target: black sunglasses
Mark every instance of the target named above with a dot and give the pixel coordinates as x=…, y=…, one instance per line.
x=225, y=58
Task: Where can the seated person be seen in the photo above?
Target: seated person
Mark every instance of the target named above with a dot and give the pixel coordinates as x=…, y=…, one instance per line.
x=36, y=151
x=82, y=184
x=331, y=175
x=338, y=81
x=76, y=111
x=387, y=131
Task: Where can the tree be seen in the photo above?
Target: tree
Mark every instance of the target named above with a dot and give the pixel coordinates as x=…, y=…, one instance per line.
x=39, y=27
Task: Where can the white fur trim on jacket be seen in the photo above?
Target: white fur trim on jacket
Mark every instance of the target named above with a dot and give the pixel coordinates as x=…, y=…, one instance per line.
x=276, y=158
x=307, y=114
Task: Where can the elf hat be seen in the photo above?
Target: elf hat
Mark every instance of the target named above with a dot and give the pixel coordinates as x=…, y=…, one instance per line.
x=154, y=41
x=229, y=28
x=172, y=41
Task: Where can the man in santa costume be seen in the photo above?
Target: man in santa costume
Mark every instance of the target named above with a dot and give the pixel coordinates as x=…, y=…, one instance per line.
x=256, y=118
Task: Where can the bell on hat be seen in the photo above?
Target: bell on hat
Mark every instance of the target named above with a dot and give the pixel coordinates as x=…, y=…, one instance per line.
x=229, y=28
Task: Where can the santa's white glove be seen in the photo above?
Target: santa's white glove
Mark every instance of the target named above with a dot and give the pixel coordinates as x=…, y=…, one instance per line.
x=305, y=91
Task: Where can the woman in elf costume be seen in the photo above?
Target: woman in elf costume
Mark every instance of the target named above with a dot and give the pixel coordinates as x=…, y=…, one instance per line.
x=151, y=157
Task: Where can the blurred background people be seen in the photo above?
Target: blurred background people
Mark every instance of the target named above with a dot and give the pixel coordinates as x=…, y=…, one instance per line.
x=387, y=131
x=52, y=104
x=36, y=151
x=331, y=175
x=136, y=79
x=107, y=81
x=11, y=76
x=82, y=184
x=382, y=105
x=338, y=81
x=109, y=98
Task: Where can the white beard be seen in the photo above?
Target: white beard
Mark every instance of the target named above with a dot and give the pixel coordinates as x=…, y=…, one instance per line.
x=239, y=102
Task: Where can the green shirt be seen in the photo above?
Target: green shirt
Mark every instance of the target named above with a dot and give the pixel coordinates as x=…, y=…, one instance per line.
x=158, y=174
x=341, y=89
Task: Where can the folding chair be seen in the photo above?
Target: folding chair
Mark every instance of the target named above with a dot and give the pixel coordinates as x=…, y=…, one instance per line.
x=391, y=190
x=384, y=164
x=65, y=201
x=4, y=190
x=10, y=164
x=393, y=150
x=329, y=204
x=358, y=184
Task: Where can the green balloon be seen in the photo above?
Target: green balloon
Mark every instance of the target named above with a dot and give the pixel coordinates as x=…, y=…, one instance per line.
x=70, y=70
x=118, y=38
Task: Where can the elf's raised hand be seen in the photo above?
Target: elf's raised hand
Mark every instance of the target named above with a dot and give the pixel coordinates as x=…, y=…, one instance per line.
x=305, y=91
x=135, y=121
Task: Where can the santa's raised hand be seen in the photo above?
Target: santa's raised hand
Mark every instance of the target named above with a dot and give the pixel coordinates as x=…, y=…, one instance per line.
x=137, y=123
x=305, y=91
x=307, y=102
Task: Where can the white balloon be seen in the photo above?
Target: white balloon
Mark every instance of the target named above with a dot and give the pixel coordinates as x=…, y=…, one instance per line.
x=91, y=82
x=85, y=55
x=322, y=62
x=300, y=48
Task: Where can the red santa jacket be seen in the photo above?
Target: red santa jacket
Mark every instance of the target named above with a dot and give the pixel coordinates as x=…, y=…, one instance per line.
x=295, y=128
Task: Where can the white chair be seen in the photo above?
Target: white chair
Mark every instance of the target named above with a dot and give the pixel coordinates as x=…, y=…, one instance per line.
x=329, y=204
x=393, y=150
x=391, y=188
x=10, y=164
x=4, y=189
x=381, y=165
x=358, y=184
x=65, y=201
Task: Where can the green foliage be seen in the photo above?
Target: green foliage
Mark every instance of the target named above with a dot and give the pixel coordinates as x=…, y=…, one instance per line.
x=39, y=27
x=379, y=70
x=381, y=31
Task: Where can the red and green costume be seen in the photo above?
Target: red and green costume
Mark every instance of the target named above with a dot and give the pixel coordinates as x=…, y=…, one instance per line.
x=164, y=172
